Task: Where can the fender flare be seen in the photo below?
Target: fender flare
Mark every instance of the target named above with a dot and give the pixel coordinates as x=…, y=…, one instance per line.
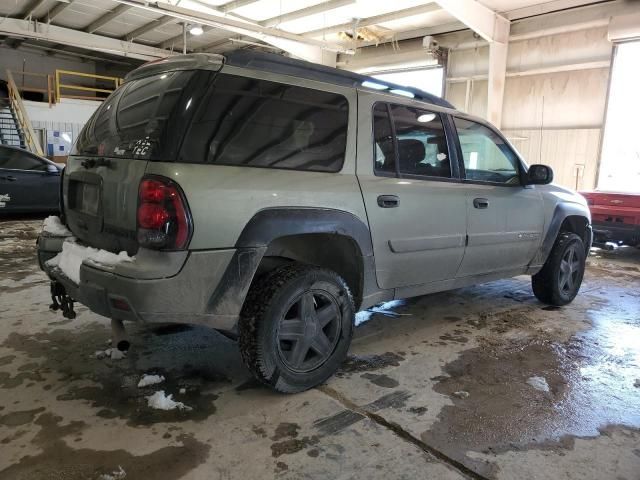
x=268, y=225
x=560, y=214
x=271, y=223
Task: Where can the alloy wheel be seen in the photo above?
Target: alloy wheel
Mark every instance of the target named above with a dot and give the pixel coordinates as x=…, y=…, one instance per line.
x=309, y=331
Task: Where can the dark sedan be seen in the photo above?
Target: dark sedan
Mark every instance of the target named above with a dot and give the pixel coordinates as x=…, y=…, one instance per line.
x=28, y=183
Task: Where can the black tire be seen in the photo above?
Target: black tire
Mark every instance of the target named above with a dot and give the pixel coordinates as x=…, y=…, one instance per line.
x=559, y=280
x=285, y=312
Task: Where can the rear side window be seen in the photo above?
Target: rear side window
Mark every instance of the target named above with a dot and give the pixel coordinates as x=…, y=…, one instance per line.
x=145, y=118
x=258, y=123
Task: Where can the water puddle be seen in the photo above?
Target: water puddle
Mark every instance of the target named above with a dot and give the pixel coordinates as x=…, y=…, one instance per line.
x=592, y=382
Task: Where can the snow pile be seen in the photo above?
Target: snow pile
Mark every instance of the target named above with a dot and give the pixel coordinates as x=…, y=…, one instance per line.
x=147, y=380
x=539, y=383
x=461, y=394
x=73, y=254
x=54, y=226
x=118, y=474
x=161, y=401
x=112, y=353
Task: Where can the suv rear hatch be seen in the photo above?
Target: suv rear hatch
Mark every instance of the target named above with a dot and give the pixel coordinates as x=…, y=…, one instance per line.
x=143, y=121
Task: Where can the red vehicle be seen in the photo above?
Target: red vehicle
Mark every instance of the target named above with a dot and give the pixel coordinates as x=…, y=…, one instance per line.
x=615, y=217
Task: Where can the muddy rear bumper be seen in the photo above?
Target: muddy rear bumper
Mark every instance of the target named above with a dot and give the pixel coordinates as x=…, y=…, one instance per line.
x=200, y=287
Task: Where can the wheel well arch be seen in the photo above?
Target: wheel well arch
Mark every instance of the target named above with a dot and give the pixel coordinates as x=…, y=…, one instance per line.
x=337, y=252
x=579, y=225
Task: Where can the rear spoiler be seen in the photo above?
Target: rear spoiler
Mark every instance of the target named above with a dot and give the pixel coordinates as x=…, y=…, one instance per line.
x=192, y=61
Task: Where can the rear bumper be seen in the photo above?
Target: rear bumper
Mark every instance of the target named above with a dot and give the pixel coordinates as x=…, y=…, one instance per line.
x=207, y=287
x=608, y=232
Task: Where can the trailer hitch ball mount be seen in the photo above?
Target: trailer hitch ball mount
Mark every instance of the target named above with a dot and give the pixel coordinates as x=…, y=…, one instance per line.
x=61, y=301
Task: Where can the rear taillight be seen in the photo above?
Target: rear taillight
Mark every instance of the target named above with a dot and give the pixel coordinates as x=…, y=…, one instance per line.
x=164, y=221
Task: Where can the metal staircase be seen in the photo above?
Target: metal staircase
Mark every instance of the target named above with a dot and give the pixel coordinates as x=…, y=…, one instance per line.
x=10, y=133
x=15, y=126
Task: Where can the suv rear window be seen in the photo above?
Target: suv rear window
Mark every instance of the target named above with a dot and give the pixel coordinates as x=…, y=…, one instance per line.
x=145, y=118
x=258, y=123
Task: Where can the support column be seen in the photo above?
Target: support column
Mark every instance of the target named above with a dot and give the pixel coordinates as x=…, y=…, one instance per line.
x=497, y=77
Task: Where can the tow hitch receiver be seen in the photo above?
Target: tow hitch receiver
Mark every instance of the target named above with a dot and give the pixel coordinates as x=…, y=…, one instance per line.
x=61, y=301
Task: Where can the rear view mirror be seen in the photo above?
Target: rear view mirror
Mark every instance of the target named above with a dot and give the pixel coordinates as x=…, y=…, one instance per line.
x=539, y=175
x=52, y=170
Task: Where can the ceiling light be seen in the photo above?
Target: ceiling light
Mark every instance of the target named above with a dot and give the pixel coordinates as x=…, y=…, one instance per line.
x=196, y=30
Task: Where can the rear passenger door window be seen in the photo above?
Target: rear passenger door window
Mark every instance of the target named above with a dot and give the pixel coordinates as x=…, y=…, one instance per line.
x=384, y=148
x=422, y=143
x=411, y=142
x=487, y=157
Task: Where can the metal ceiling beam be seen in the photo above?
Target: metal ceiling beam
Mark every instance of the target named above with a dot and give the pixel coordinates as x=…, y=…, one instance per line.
x=235, y=4
x=365, y=22
x=485, y=22
x=280, y=38
x=287, y=17
x=147, y=27
x=104, y=19
x=33, y=6
x=88, y=41
x=306, y=12
x=55, y=11
x=221, y=21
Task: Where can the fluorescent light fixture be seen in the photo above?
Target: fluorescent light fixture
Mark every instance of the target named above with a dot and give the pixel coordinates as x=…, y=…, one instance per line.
x=403, y=93
x=196, y=30
x=426, y=117
x=374, y=85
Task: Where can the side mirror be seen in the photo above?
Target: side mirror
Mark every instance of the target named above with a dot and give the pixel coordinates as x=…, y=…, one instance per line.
x=52, y=170
x=539, y=175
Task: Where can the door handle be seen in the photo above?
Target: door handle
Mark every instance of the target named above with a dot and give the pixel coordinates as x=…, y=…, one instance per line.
x=388, y=201
x=9, y=178
x=480, y=203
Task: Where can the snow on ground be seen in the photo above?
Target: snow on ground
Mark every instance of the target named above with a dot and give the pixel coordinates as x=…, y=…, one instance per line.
x=118, y=474
x=539, y=383
x=73, y=254
x=147, y=380
x=161, y=401
x=54, y=226
x=112, y=353
x=385, y=308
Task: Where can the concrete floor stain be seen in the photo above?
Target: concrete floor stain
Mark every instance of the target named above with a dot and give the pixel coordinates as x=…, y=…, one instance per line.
x=58, y=460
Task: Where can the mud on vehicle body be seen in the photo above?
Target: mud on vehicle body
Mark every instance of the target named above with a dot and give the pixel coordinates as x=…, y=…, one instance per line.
x=271, y=199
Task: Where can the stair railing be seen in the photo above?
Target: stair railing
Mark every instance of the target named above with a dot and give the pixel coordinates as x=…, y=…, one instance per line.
x=15, y=100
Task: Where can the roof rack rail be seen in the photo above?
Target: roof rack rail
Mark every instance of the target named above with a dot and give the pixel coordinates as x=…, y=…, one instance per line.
x=273, y=62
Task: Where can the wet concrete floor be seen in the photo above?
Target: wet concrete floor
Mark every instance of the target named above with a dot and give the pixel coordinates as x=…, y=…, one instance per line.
x=480, y=382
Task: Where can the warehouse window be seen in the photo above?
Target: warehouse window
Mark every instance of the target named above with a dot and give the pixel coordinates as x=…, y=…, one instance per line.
x=620, y=161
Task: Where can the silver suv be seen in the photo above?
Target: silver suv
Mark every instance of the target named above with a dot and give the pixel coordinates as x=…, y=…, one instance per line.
x=271, y=199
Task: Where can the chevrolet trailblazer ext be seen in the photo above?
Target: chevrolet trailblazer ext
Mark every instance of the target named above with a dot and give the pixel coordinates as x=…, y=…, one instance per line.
x=272, y=199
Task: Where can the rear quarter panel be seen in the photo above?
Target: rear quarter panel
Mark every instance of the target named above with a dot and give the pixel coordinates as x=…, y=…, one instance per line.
x=223, y=199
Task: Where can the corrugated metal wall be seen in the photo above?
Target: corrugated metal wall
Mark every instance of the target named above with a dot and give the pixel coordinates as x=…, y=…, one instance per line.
x=554, y=117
